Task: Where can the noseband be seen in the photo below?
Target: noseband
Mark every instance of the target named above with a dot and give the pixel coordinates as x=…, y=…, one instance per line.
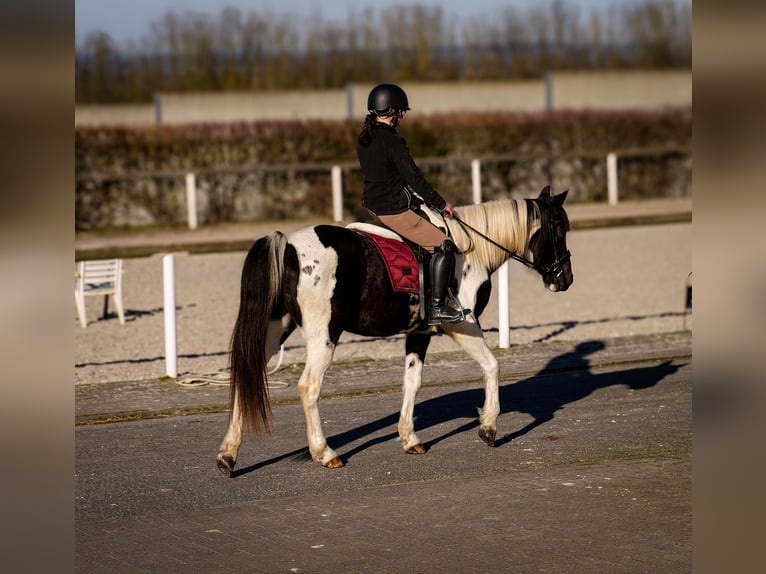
x=555, y=268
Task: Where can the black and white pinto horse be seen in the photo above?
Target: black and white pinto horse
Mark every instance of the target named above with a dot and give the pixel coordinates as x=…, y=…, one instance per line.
x=328, y=279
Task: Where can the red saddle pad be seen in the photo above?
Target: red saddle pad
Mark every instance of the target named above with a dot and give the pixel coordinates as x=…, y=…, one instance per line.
x=400, y=262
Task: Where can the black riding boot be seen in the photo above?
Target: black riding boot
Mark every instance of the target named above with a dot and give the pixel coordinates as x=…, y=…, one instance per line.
x=442, y=268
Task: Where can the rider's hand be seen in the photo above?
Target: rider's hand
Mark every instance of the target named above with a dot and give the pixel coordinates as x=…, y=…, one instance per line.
x=448, y=211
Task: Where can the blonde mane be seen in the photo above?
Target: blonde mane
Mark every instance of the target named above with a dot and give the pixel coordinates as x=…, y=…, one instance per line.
x=507, y=222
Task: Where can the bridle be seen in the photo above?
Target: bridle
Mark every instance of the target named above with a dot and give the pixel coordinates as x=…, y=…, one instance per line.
x=555, y=268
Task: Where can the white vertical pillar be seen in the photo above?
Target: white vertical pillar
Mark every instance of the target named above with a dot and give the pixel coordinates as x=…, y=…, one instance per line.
x=169, y=288
x=611, y=177
x=503, y=307
x=476, y=180
x=503, y=292
x=337, y=193
x=191, y=200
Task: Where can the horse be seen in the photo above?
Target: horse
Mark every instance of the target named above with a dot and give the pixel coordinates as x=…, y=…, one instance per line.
x=328, y=279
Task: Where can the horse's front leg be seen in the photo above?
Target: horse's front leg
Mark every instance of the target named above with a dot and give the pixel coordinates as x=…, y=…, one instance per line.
x=416, y=346
x=469, y=336
x=318, y=358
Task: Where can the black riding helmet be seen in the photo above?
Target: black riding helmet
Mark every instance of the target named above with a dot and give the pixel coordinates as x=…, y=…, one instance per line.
x=385, y=96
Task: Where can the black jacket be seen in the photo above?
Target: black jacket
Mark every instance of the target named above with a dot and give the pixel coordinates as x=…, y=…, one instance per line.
x=388, y=167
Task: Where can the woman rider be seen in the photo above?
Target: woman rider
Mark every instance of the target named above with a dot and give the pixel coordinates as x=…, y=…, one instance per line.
x=389, y=174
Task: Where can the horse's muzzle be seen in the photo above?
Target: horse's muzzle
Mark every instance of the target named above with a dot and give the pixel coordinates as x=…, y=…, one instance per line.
x=560, y=278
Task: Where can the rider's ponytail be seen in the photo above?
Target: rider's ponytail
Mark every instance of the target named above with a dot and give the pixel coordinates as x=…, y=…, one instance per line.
x=365, y=136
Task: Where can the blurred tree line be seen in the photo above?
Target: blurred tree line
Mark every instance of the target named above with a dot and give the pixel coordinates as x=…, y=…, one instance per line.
x=255, y=50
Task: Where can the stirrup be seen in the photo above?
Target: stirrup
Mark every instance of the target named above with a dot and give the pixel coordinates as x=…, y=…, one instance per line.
x=436, y=320
x=458, y=305
x=462, y=312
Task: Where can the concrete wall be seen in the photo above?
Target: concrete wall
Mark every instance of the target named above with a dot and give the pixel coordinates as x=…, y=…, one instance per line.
x=249, y=106
x=439, y=97
x=569, y=90
x=114, y=114
x=612, y=91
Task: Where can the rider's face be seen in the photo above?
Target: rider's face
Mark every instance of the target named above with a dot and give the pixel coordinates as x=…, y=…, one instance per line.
x=398, y=116
x=392, y=117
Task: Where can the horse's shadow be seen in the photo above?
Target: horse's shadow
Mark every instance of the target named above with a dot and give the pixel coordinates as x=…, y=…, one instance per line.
x=564, y=380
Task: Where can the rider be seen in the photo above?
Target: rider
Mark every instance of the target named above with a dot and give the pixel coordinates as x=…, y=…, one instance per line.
x=389, y=174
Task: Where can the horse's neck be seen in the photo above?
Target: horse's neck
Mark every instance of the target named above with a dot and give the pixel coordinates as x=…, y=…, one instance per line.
x=506, y=222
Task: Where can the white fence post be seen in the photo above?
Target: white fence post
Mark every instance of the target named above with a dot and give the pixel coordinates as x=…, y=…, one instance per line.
x=503, y=310
x=191, y=200
x=503, y=307
x=169, y=288
x=476, y=180
x=337, y=193
x=611, y=177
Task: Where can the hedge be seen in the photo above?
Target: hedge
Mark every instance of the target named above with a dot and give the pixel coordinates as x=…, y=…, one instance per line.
x=280, y=169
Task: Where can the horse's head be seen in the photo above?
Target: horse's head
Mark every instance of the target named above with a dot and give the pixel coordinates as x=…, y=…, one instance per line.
x=549, y=243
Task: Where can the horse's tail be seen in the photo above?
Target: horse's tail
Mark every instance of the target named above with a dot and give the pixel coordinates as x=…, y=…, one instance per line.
x=260, y=294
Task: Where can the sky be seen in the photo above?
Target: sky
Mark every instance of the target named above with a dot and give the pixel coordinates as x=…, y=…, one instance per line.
x=129, y=20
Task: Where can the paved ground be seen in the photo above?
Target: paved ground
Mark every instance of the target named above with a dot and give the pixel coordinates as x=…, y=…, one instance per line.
x=592, y=471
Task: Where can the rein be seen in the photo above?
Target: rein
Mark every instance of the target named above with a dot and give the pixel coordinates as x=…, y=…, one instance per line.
x=554, y=267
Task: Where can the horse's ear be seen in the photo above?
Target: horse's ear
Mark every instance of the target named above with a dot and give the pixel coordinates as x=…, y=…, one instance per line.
x=561, y=197
x=545, y=193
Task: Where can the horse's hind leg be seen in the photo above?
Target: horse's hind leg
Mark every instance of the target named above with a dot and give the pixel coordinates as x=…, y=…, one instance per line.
x=227, y=452
x=319, y=352
x=416, y=346
x=469, y=336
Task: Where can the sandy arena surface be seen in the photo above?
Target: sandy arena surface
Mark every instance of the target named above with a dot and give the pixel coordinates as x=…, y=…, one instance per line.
x=628, y=280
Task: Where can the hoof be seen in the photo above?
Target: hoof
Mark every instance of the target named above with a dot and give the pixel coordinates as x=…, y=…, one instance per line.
x=225, y=464
x=334, y=462
x=416, y=449
x=488, y=436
